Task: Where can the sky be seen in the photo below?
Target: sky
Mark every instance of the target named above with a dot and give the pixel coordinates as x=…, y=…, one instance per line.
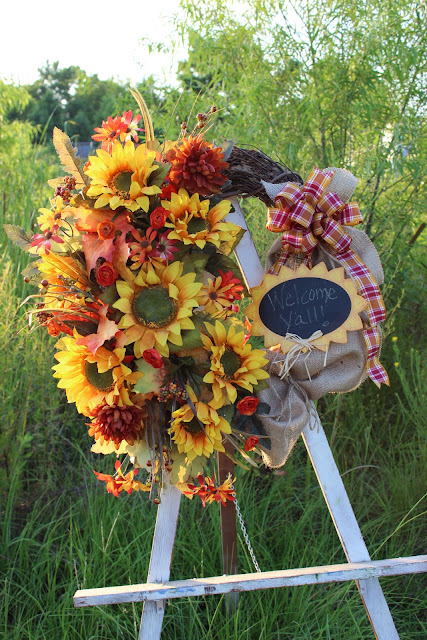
x=102, y=38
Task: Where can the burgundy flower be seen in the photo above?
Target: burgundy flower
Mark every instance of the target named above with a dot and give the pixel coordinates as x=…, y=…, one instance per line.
x=165, y=248
x=45, y=239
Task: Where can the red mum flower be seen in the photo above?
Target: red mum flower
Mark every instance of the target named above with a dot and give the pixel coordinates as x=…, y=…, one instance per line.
x=116, y=424
x=234, y=284
x=167, y=190
x=197, y=166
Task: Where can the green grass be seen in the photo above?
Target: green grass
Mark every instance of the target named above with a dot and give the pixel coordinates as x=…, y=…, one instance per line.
x=60, y=531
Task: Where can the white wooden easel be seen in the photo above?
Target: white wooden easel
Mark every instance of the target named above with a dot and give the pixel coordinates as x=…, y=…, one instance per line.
x=359, y=567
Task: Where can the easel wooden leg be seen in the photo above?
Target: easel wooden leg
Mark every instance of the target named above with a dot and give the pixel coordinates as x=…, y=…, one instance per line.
x=161, y=557
x=228, y=526
x=348, y=529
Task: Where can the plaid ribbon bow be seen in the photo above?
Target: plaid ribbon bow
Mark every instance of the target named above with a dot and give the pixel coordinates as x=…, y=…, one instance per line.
x=309, y=215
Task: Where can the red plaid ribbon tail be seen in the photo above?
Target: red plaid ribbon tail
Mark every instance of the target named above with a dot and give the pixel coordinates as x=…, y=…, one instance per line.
x=375, y=369
x=368, y=288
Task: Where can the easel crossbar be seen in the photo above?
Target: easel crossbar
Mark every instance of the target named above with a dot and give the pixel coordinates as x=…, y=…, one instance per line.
x=250, y=582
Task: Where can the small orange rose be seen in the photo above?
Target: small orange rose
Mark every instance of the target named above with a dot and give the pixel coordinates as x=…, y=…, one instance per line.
x=106, y=230
x=158, y=218
x=247, y=406
x=106, y=275
x=153, y=357
x=251, y=443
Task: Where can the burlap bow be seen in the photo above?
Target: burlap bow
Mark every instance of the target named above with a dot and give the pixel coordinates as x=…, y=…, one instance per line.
x=306, y=216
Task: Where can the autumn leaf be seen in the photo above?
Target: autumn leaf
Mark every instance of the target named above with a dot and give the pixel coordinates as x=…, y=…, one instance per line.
x=152, y=380
x=107, y=329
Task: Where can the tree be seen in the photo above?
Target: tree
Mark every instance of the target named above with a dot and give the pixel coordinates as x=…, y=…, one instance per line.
x=70, y=99
x=334, y=83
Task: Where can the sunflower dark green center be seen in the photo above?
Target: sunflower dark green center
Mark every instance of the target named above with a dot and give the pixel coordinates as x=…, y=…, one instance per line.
x=196, y=225
x=194, y=427
x=154, y=308
x=121, y=183
x=101, y=381
x=230, y=362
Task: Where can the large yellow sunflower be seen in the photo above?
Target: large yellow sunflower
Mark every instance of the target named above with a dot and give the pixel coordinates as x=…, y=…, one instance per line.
x=90, y=380
x=123, y=177
x=192, y=222
x=199, y=436
x=233, y=363
x=157, y=304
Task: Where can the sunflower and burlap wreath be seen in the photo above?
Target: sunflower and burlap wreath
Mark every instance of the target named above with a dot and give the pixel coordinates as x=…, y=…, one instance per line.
x=133, y=267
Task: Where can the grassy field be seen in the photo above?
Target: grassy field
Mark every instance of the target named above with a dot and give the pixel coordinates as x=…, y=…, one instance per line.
x=61, y=531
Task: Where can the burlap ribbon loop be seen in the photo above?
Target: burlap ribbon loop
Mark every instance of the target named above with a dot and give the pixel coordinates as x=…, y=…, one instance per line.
x=311, y=215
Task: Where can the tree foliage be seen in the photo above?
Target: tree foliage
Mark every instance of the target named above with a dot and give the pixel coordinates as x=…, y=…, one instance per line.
x=334, y=84
x=71, y=100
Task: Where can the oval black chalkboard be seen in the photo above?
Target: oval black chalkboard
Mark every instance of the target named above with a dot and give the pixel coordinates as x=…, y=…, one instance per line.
x=303, y=306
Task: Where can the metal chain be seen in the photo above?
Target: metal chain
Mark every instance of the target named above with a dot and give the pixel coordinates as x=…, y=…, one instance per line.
x=245, y=533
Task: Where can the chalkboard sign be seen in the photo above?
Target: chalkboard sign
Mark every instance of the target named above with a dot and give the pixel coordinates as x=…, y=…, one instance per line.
x=303, y=302
x=303, y=306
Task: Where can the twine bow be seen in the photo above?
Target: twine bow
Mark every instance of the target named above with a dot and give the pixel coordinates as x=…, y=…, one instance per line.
x=300, y=346
x=309, y=216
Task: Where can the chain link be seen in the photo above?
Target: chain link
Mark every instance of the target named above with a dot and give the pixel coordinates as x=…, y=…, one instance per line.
x=245, y=533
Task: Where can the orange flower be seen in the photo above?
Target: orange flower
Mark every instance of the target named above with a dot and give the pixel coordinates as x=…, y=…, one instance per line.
x=106, y=230
x=110, y=130
x=116, y=485
x=197, y=166
x=208, y=492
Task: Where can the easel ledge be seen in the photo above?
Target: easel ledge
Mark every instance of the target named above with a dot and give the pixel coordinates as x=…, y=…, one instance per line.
x=250, y=582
